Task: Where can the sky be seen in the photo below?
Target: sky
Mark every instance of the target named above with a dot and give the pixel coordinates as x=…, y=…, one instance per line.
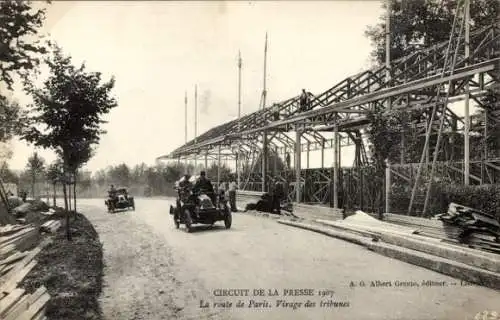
x=159, y=50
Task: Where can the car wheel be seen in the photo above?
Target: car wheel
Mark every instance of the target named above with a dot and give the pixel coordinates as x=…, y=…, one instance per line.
x=228, y=219
x=189, y=221
x=176, y=222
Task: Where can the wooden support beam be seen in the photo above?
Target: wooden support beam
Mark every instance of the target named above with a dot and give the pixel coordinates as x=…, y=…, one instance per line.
x=335, y=167
x=298, y=150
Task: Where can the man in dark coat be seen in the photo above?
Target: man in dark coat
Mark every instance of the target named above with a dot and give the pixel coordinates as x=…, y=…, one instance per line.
x=278, y=194
x=203, y=185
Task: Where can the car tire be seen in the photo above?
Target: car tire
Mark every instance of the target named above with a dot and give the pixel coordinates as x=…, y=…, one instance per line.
x=228, y=219
x=176, y=222
x=189, y=221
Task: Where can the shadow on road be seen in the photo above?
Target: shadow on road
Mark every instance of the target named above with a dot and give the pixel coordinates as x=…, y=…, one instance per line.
x=200, y=229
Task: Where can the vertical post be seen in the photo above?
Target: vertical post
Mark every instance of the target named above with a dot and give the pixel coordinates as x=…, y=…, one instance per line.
x=185, y=125
x=264, y=133
x=307, y=155
x=335, y=165
x=265, y=153
x=206, y=160
x=388, y=48
x=323, y=153
x=218, y=165
x=185, y=118
x=275, y=161
x=238, y=166
x=239, y=90
x=195, y=122
x=485, y=147
x=297, y=163
x=238, y=171
x=387, y=186
x=467, y=96
x=264, y=92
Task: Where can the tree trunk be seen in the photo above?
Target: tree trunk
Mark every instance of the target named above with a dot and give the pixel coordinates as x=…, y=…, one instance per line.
x=33, y=186
x=69, y=196
x=68, y=231
x=54, y=194
x=74, y=192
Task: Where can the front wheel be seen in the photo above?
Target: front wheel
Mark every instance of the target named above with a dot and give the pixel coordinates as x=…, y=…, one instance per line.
x=188, y=221
x=176, y=222
x=228, y=219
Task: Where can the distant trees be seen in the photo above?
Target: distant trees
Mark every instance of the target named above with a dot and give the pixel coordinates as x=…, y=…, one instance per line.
x=35, y=168
x=54, y=175
x=7, y=175
x=144, y=180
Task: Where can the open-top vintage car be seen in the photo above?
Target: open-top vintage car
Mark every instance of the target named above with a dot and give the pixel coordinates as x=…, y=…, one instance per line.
x=200, y=207
x=120, y=199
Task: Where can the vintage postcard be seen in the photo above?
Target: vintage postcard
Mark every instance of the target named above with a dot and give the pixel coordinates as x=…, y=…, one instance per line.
x=250, y=160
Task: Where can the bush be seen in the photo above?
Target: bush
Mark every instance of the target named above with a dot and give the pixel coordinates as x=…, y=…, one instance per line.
x=485, y=198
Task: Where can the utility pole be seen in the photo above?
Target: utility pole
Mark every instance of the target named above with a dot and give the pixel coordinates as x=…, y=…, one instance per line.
x=185, y=117
x=238, y=164
x=264, y=133
x=264, y=92
x=185, y=124
x=195, y=123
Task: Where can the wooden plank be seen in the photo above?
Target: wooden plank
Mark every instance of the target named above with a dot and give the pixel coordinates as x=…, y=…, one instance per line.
x=7, y=250
x=16, y=235
x=13, y=258
x=10, y=229
x=18, y=308
x=16, y=276
x=10, y=300
x=28, y=241
x=35, y=308
x=55, y=227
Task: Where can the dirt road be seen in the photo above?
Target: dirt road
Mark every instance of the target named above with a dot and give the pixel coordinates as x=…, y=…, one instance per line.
x=154, y=271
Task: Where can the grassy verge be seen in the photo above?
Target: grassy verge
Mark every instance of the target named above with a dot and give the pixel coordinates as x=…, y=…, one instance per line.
x=72, y=273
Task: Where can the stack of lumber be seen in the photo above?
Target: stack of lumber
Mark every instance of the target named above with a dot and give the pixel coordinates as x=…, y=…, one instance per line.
x=312, y=212
x=18, y=237
x=18, y=305
x=484, y=242
x=478, y=229
x=15, y=264
x=50, y=226
x=428, y=227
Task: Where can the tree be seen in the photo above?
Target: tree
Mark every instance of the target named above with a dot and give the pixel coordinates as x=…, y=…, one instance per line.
x=7, y=175
x=54, y=175
x=19, y=39
x=35, y=168
x=120, y=175
x=422, y=23
x=69, y=106
x=12, y=119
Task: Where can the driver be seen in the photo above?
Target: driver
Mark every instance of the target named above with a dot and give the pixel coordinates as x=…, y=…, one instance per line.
x=185, y=186
x=203, y=185
x=112, y=191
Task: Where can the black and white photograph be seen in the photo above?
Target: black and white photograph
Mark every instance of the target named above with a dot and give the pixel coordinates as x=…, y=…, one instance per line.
x=335, y=159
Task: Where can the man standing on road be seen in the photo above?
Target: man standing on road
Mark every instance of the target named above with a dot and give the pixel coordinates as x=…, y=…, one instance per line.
x=232, y=195
x=278, y=194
